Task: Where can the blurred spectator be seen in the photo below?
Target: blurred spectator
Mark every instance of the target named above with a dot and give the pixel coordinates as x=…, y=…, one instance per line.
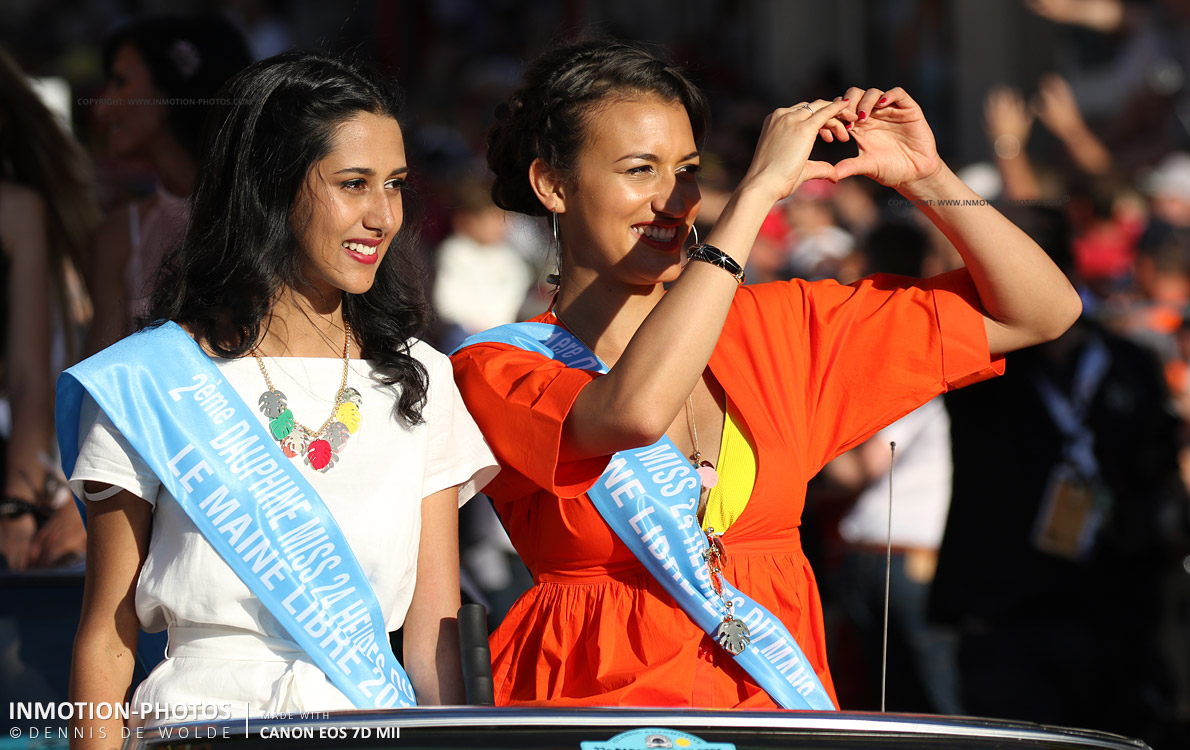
x=1104, y=243
x=921, y=671
x=857, y=208
x=1058, y=110
x=481, y=280
x=163, y=74
x=1057, y=548
x=1168, y=187
x=47, y=215
x=818, y=247
x=768, y=260
x=1104, y=247
x=1128, y=63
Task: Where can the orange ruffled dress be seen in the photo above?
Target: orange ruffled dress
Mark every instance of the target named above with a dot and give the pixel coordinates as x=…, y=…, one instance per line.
x=814, y=369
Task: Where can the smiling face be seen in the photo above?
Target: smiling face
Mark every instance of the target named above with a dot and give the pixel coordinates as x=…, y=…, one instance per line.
x=628, y=207
x=132, y=128
x=350, y=206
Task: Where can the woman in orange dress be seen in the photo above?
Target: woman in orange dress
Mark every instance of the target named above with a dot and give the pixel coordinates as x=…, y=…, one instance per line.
x=759, y=386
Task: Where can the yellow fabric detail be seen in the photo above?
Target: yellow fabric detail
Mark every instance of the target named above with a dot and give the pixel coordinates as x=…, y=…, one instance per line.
x=737, y=475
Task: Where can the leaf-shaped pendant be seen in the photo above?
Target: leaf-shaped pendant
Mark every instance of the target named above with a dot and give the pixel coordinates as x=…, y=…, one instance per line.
x=282, y=425
x=350, y=395
x=348, y=414
x=272, y=403
x=295, y=443
x=318, y=455
x=733, y=635
x=336, y=434
x=708, y=475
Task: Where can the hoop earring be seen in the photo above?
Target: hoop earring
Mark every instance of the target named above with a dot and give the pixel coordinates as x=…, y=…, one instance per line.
x=555, y=278
x=686, y=254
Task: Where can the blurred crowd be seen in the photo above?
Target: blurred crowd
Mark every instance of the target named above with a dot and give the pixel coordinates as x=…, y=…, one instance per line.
x=1036, y=557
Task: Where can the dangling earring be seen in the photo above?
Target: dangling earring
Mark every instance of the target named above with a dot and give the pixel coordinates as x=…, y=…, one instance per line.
x=556, y=277
x=694, y=231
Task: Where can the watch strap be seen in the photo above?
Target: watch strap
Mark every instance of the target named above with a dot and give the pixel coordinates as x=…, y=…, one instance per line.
x=13, y=507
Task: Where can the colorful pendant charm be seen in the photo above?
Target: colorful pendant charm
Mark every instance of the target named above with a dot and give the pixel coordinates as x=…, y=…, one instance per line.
x=272, y=402
x=336, y=434
x=348, y=414
x=708, y=475
x=295, y=444
x=320, y=455
x=320, y=448
x=281, y=425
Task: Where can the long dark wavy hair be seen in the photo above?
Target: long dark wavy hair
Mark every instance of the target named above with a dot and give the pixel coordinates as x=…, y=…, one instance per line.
x=242, y=248
x=547, y=117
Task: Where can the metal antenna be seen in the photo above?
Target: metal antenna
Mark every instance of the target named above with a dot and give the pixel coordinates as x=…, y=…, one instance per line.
x=892, y=455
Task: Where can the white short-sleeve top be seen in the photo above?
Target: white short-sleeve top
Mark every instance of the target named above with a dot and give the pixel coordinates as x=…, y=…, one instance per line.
x=374, y=490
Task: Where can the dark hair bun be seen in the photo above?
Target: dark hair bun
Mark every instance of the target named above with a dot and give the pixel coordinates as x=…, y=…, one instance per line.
x=546, y=118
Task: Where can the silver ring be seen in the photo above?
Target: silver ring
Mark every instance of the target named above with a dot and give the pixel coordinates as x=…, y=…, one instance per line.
x=807, y=107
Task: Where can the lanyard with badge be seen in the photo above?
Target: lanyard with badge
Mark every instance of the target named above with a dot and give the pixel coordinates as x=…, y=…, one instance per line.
x=1076, y=498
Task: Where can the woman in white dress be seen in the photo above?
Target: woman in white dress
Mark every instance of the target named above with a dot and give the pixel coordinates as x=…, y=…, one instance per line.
x=295, y=281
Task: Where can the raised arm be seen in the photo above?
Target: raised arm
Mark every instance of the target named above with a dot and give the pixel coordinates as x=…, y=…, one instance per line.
x=1026, y=299
x=1058, y=110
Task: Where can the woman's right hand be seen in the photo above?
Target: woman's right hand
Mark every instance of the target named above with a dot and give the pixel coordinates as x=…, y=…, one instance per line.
x=781, y=161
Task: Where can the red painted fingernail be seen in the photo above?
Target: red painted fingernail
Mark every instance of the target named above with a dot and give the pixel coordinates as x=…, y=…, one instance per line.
x=846, y=99
x=848, y=125
x=883, y=99
x=862, y=114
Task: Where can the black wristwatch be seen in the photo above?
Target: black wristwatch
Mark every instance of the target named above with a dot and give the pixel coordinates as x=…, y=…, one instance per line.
x=716, y=257
x=14, y=507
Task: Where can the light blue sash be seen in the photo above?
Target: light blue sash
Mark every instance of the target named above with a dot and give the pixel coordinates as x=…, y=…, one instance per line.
x=211, y=452
x=649, y=498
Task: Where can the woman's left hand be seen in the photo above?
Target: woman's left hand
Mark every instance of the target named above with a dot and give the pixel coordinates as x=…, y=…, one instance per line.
x=896, y=145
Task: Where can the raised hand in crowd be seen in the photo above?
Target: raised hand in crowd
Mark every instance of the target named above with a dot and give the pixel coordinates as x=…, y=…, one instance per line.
x=1058, y=110
x=1008, y=121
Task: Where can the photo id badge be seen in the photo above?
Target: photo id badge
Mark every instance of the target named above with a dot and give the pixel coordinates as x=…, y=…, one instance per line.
x=1071, y=513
